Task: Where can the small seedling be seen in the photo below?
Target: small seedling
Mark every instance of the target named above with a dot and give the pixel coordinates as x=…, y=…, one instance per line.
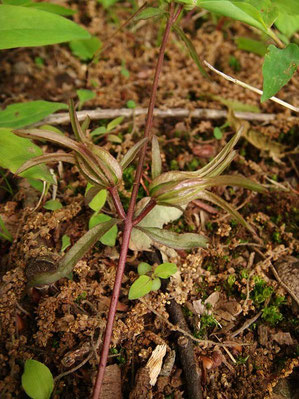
x=149, y=279
x=37, y=380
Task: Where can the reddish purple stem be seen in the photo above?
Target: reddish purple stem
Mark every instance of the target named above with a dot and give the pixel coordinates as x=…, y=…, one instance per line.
x=129, y=223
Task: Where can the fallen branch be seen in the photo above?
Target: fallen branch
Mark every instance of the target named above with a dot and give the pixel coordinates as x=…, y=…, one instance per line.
x=205, y=113
x=188, y=360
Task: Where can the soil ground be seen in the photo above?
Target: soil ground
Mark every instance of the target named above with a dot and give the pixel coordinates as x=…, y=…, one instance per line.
x=226, y=288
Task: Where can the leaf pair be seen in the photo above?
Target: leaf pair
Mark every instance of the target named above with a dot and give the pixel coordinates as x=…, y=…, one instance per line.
x=179, y=188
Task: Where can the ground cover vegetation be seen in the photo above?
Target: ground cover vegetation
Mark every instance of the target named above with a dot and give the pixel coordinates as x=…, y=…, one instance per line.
x=154, y=289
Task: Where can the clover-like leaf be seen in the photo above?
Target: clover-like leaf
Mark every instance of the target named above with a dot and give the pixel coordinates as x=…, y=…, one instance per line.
x=140, y=287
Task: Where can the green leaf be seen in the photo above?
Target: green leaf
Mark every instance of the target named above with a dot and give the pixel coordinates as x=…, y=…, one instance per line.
x=4, y=233
x=107, y=3
x=27, y=27
x=85, y=49
x=24, y=114
x=84, y=96
x=72, y=257
x=174, y=240
x=150, y=12
x=278, y=68
x=217, y=133
x=53, y=8
x=144, y=268
x=98, y=131
x=115, y=122
x=252, y=46
x=191, y=49
x=37, y=380
x=53, y=205
x=156, y=284
x=156, y=158
x=15, y=151
x=287, y=24
x=165, y=270
x=131, y=104
x=98, y=201
x=109, y=238
x=16, y=2
x=157, y=217
x=288, y=6
x=65, y=242
x=132, y=153
x=140, y=287
x=239, y=10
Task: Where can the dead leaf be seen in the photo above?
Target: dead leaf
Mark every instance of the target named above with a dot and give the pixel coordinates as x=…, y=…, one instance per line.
x=283, y=338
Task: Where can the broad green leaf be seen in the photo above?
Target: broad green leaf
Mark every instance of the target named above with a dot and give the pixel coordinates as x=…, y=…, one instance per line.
x=132, y=153
x=72, y=257
x=150, y=12
x=156, y=284
x=288, y=6
x=85, y=49
x=165, y=270
x=140, y=287
x=144, y=268
x=65, y=242
x=157, y=217
x=238, y=10
x=115, y=122
x=287, y=24
x=278, y=68
x=15, y=151
x=108, y=238
x=24, y=114
x=98, y=201
x=156, y=158
x=37, y=380
x=252, y=46
x=98, y=131
x=191, y=49
x=85, y=95
x=53, y=205
x=28, y=27
x=53, y=8
x=174, y=240
x=16, y=2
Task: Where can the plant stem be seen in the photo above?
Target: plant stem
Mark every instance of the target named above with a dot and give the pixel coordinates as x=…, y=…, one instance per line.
x=149, y=206
x=129, y=218
x=117, y=202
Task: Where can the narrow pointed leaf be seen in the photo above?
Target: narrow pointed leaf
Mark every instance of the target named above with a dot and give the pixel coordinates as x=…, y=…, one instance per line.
x=174, y=240
x=97, y=179
x=211, y=166
x=132, y=153
x=156, y=158
x=53, y=157
x=240, y=181
x=150, y=12
x=85, y=124
x=107, y=160
x=78, y=132
x=69, y=261
x=211, y=197
x=53, y=137
x=191, y=49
